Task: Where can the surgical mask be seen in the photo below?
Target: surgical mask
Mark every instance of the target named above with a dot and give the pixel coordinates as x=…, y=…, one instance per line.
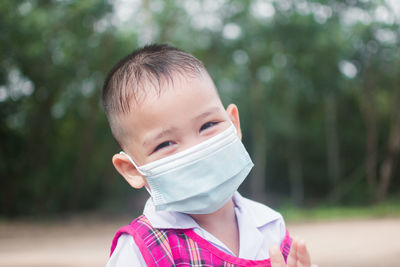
x=200, y=179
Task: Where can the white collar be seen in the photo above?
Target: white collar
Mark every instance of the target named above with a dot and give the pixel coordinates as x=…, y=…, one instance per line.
x=259, y=213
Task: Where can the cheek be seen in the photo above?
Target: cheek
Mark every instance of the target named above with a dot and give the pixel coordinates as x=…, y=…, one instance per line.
x=222, y=126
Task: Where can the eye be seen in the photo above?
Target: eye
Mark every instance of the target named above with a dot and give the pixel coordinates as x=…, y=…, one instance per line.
x=162, y=145
x=208, y=125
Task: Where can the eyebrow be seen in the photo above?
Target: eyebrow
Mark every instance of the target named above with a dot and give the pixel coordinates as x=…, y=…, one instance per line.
x=159, y=135
x=206, y=113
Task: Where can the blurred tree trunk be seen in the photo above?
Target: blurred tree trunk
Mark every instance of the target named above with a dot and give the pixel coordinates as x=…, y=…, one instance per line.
x=41, y=126
x=369, y=110
x=84, y=152
x=295, y=174
x=257, y=185
x=257, y=182
x=332, y=141
x=393, y=148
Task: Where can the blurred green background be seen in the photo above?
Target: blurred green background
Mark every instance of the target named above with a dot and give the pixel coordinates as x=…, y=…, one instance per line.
x=317, y=84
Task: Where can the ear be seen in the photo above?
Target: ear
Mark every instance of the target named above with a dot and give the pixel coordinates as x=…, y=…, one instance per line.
x=233, y=114
x=128, y=171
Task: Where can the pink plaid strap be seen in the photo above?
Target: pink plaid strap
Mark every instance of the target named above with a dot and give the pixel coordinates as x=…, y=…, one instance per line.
x=152, y=243
x=173, y=247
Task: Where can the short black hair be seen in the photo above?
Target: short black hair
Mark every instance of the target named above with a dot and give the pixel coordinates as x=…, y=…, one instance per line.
x=145, y=68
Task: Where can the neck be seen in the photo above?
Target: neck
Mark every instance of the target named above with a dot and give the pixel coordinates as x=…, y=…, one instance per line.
x=222, y=224
x=224, y=214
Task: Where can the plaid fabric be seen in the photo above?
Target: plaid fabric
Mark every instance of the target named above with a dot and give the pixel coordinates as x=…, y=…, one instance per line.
x=183, y=247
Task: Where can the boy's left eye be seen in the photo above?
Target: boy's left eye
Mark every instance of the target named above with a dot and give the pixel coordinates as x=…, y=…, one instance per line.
x=207, y=125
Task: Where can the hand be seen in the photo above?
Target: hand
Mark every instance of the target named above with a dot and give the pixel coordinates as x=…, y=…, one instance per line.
x=298, y=256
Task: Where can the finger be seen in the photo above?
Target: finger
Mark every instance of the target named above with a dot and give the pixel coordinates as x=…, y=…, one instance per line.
x=292, y=257
x=276, y=257
x=303, y=256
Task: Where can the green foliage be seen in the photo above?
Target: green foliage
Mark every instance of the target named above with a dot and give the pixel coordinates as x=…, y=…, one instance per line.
x=323, y=213
x=300, y=72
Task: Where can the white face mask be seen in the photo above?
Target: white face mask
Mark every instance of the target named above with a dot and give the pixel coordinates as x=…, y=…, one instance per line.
x=200, y=179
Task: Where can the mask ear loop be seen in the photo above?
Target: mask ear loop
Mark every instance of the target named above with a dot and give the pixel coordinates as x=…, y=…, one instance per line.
x=137, y=168
x=233, y=126
x=134, y=164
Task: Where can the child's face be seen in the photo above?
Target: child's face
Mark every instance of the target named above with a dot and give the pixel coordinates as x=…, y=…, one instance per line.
x=187, y=112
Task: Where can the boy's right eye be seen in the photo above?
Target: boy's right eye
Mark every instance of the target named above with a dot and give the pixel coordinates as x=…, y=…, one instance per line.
x=162, y=145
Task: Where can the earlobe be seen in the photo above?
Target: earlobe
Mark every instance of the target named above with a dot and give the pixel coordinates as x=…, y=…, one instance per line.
x=233, y=114
x=128, y=171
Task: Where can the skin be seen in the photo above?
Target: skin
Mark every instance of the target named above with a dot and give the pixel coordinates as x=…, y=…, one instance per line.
x=186, y=113
x=298, y=256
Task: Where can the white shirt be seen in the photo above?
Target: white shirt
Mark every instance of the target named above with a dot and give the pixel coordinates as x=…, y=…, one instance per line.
x=259, y=228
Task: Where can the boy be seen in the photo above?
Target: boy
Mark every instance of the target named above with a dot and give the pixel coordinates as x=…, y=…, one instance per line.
x=180, y=143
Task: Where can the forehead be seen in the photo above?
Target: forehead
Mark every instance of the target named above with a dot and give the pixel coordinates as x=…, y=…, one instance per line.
x=151, y=87
x=176, y=101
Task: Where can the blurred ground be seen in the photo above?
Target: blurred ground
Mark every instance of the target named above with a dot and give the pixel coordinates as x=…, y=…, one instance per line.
x=367, y=243
x=85, y=242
